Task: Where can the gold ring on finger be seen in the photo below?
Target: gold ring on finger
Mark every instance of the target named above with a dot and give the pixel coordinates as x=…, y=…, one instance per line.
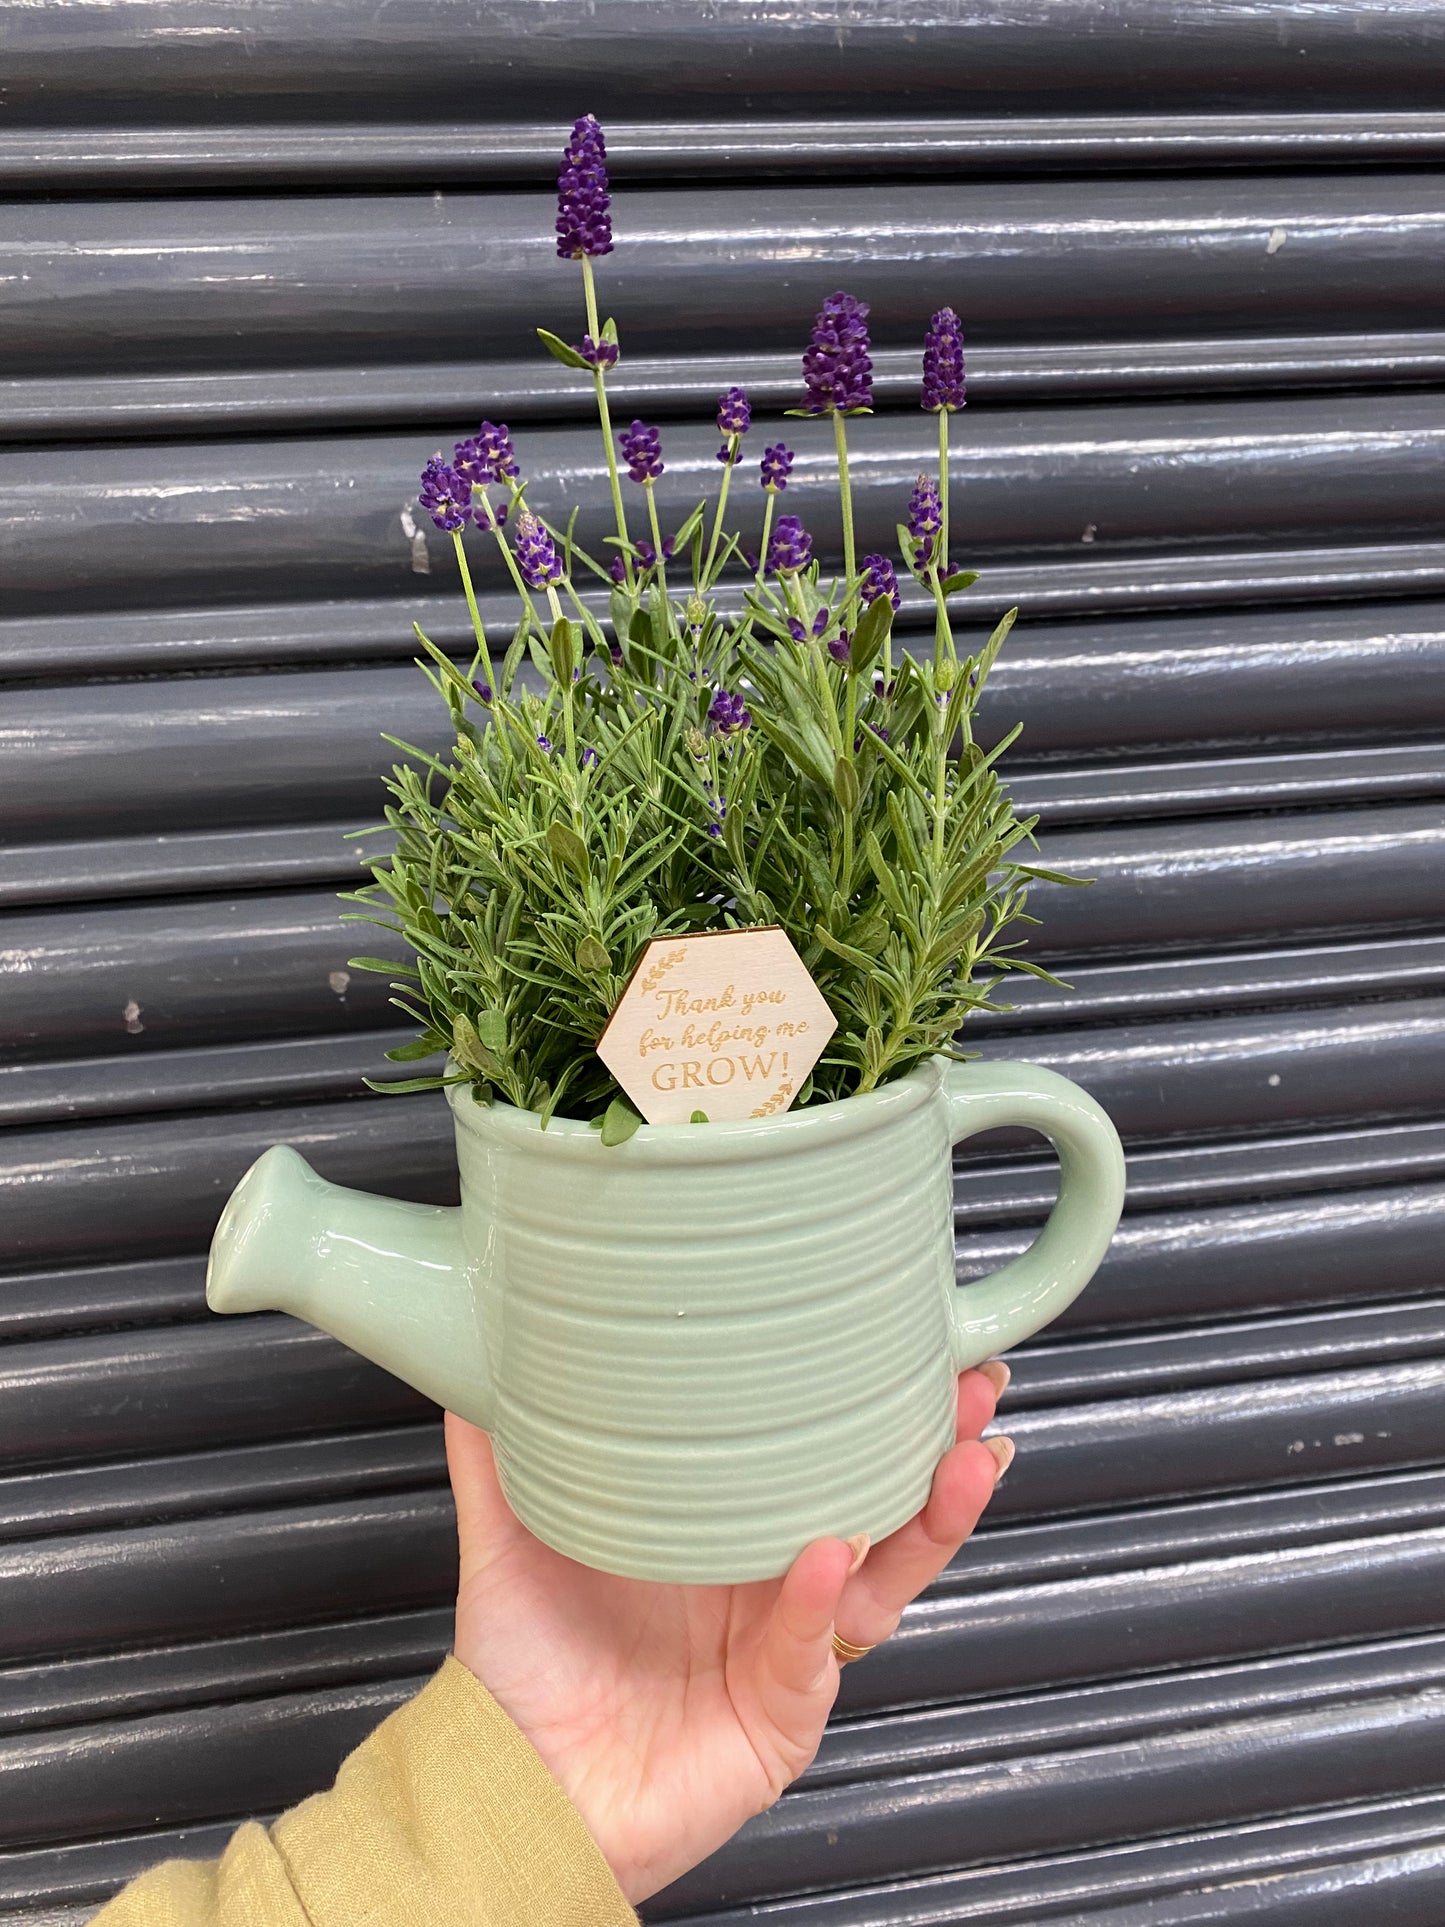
x=844, y=1650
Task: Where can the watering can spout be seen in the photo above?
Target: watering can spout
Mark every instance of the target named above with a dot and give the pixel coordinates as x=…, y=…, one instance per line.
x=389, y=1279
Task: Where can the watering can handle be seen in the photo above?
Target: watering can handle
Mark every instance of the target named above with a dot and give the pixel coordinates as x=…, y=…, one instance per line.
x=996, y=1313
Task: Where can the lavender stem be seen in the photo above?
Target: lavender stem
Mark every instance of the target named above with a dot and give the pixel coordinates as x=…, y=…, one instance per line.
x=475, y=612
x=845, y=488
x=604, y=416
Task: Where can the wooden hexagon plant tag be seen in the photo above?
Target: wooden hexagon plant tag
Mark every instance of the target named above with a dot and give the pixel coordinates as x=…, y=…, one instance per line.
x=729, y=1023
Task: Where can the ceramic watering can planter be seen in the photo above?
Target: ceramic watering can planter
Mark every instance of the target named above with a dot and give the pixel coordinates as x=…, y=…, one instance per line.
x=700, y=1349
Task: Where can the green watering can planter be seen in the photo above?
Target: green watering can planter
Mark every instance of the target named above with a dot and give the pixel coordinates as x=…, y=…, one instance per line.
x=700, y=1349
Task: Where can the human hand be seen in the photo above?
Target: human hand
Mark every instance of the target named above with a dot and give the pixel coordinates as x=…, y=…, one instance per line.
x=671, y=1714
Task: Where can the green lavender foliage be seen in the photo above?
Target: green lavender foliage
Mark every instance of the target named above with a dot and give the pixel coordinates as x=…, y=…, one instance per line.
x=528, y=880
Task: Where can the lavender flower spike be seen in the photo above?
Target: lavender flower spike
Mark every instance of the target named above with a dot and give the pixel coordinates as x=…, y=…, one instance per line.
x=537, y=557
x=837, y=371
x=734, y=416
x=584, y=222
x=495, y=441
x=445, y=495
x=728, y=713
x=879, y=580
x=487, y=456
x=469, y=462
x=925, y=517
x=943, y=380
x=642, y=452
x=777, y=466
x=791, y=548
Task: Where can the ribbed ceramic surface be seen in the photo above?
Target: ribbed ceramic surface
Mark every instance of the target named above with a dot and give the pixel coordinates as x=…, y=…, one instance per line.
x=697, y=1369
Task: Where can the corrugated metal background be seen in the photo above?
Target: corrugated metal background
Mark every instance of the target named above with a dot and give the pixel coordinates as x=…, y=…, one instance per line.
x=258, y=258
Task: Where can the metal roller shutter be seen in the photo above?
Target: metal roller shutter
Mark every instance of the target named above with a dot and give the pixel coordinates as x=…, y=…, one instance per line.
x=256, y=261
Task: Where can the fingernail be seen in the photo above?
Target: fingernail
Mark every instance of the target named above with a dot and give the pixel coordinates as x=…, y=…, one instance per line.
x=1003, y=1450
x=997, y=1374
x=858, y=1545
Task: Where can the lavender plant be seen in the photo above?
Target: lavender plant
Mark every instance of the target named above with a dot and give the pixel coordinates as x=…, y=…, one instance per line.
x=736, y=744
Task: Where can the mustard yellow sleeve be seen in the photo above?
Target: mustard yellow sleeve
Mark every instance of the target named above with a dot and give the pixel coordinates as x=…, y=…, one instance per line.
x=443, y=1816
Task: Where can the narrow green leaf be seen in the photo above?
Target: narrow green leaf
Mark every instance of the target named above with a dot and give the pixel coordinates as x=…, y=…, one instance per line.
x=869, y=933
x=859, y=958
x=492, y=1029
x=559, y=349
x=962, y=579
x=568, y=848
x=513, y=660
x=593, y=956
x=381, y=965
x=870, y=634
x=427, y=1046
x=690, y=527
x=468, y=1048
x=845, y=784
x=562, y=648
x=1040, y=875
x=698, y=1117
x=609, y=330
x=903, y=834
x=886, y=881
x=414, y=1084
x=619, y=1121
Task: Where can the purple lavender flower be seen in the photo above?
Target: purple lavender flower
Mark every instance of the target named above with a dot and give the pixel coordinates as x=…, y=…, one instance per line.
x=734, y=414
x=483, y=690
x=791, y=548
x=598, y=354
x=487, y=456
x=588, y=757
x=943, y=383
x=728, y=713
x=537, y=557
x=584, y=223
x=544, y=743
x=879, y=580
x=495, y=439
x=837, y=371
x=646, y=556
x=642, y=452
x=777, y=466
x=487, y=517
x=469, y=463
x=925, y=517
x=841, y=646
x=445, y=495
